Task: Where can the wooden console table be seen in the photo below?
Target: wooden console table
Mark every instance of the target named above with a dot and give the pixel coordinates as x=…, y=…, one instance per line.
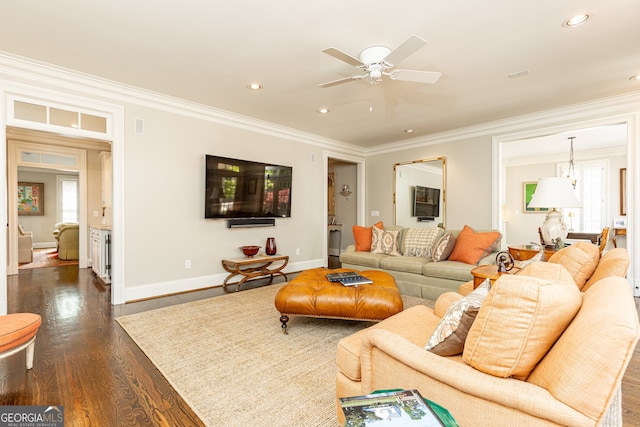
x=525, y=252
x=254, y=268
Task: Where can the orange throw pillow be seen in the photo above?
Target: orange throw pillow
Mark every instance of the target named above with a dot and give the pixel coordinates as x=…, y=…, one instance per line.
x=471, y=247
x=363, y=237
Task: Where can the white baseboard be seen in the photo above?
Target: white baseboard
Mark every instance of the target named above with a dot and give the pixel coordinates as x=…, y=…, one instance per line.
x=153, y=290
x=44, y=245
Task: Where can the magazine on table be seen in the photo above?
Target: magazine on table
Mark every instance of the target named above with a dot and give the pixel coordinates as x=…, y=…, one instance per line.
x=348, y=278
x=393, y=409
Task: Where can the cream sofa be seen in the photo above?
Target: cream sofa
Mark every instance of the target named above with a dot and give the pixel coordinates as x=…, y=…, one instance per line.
x=417, y=275
x=575, y=383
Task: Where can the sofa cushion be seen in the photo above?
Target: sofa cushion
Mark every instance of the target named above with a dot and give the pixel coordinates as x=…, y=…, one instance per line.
x=581, y=367
x=420, y=241
x=385, y=242
x=407, y=264
x=362, y=259
x=450, y=334
x=443, y=247
x=546, y=270
x=518, y=323
x=363, y=236
x=452, y=270
x=613, y=263
x=580, y=259
x=471, y=246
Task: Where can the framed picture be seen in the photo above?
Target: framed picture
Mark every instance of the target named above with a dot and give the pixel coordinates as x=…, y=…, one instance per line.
x=620, y=222
x=30, y=198
x=623, y=191
x=527, y=193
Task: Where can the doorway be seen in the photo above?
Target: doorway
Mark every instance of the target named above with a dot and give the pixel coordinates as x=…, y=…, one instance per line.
x=344, y=203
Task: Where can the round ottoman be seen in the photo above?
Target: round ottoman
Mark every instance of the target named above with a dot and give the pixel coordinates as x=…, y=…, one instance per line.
x=311, y=294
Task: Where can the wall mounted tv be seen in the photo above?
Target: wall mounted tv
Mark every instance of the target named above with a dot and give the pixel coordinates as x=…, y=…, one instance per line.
x=426, y=202
x=245, y=189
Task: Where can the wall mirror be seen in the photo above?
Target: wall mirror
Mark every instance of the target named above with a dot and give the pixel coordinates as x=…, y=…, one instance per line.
x=419, y=196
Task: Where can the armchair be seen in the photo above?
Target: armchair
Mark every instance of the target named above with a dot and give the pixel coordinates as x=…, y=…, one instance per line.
x=68, y=236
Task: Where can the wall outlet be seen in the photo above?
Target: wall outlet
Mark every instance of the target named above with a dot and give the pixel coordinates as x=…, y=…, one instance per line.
x=375, y=213
x=187, y=263
x=96, y=214
x=297, y=251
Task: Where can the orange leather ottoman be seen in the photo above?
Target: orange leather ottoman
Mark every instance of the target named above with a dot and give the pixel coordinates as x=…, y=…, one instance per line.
x=311, y=294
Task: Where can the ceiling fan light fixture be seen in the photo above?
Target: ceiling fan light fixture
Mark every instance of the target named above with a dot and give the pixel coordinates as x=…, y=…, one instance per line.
x=576, y=20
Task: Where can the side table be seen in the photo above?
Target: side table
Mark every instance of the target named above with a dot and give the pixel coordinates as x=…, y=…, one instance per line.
x=254, y=268
x=489, y=271
x=525, y=252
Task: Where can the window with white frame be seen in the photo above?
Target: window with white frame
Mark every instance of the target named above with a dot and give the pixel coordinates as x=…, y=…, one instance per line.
x=67, y=199
x=591, y=185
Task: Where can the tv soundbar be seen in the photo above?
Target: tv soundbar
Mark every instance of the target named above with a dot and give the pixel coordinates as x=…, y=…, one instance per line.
x=251, y=222
x=426, y=218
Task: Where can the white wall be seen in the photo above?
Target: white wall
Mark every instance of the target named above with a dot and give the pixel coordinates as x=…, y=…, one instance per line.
x=165, y=181
x=468, y=181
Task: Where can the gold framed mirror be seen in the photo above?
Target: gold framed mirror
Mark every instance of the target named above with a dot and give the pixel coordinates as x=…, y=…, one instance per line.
x=419, y=198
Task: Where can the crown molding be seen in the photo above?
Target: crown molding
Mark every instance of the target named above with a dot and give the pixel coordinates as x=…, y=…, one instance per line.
x=611, y=106
x=28, y=70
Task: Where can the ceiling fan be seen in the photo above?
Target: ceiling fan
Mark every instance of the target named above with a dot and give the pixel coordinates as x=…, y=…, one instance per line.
x=377, y=61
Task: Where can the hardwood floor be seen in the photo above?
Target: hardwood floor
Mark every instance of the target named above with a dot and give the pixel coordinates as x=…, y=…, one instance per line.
x=85, y=362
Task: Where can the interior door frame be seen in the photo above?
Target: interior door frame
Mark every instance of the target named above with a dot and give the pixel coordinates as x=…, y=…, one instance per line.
x=13, y=162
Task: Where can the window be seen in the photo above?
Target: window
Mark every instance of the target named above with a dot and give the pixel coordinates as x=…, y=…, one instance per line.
x=591, y=188
x=68, y=199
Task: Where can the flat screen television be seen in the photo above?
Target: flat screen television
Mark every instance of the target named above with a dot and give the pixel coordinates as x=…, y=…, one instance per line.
x=244, y=189
x=426, y=201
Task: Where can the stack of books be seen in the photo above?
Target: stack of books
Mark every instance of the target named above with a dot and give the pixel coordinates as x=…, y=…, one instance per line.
x=393, y=409
x=350, y=278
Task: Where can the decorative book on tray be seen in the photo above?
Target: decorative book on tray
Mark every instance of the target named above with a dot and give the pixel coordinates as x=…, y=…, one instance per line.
x=389, y=408
x=348, y=278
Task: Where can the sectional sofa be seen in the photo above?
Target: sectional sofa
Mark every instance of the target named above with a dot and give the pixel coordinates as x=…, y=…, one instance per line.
x=546, y=347
x=414, y=268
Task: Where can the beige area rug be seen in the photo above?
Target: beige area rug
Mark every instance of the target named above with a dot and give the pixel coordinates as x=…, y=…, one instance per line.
x=229, y=360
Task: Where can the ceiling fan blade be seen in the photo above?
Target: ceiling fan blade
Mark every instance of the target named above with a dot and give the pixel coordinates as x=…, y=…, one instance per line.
x=415, y=76
x=338, y=54
x=340, y=81
x=410, y=46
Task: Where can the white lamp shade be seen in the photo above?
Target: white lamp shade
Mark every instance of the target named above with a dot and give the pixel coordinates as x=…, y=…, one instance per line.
x=554, y=192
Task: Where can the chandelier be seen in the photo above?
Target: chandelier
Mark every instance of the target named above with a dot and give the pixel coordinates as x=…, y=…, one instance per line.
x=572, y=166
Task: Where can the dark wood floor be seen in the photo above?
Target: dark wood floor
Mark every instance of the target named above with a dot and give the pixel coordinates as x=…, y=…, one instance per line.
x=85, y=362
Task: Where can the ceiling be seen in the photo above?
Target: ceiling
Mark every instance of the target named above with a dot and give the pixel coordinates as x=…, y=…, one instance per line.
x=209, y=51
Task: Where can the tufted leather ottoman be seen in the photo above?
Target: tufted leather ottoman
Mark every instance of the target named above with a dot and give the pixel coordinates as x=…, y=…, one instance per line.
x=311, y=294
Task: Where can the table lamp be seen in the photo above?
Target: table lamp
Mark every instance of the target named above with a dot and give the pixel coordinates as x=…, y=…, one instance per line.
x=552, y=193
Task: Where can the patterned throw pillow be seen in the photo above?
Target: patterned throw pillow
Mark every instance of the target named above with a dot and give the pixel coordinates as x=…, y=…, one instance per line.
x=420, y=241
x=384, y=242
x=537, y=257
x=443, y=247
x=450, y=334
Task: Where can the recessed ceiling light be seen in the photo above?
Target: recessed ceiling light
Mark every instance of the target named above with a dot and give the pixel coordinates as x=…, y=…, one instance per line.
x=576, y=20
x=636, y=77
x=323, y=110
x=254, y=86
x=408, y=131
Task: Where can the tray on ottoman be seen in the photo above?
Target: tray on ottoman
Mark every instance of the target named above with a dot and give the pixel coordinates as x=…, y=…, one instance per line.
x=311, y=294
